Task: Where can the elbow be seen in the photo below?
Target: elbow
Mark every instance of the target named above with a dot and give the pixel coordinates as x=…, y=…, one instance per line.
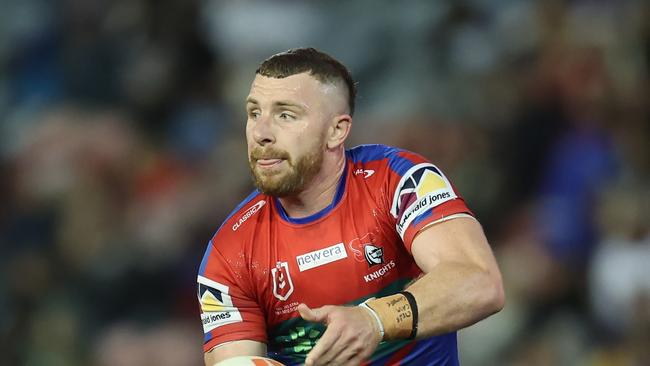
x=495, y=294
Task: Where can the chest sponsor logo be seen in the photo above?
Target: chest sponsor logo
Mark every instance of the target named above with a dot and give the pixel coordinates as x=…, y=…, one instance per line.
x=247, y=214
x=367, y=173
x=282, y=284
x=423, y=187
x=217, y=308
x=321, y=257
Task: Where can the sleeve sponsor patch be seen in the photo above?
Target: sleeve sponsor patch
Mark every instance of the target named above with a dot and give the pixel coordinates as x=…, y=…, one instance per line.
x=422, y=188
x=216, y=305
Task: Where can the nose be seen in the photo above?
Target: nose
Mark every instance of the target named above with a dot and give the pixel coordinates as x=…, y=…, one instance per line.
x=262, y=130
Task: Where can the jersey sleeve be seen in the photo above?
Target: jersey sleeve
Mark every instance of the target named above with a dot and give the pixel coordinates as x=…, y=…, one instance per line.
x=419, y=195
x=229, y=311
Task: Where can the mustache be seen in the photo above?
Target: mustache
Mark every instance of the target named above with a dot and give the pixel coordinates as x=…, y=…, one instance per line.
x=268, y=153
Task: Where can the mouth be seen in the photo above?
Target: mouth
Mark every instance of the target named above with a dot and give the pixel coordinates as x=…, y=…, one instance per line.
x=268, y=163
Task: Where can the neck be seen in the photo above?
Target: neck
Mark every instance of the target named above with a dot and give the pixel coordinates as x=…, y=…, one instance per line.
x=320, y=191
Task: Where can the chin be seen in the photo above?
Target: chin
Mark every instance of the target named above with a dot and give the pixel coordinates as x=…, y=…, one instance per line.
x=278, y=186
x=270, y=185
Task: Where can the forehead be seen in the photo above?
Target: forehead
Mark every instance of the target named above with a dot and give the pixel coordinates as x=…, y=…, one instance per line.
x=296, y=87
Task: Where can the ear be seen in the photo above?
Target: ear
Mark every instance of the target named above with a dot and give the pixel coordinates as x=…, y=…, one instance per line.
x=339, y=130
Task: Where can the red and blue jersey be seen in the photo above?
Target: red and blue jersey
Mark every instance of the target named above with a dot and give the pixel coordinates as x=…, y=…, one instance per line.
x=261, y=263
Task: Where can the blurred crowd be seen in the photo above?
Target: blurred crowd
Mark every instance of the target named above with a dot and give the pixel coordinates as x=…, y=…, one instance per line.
x=122, y=149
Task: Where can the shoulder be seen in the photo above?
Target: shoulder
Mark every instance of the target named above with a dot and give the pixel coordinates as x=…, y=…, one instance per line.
x=370, y=153
x=243, y=220
x=406, y=174
x=387, y=159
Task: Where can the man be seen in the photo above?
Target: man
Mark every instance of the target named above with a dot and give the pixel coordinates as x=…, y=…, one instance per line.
x=340, y=256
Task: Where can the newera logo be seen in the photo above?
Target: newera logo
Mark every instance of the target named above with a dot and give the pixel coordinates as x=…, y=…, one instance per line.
x=321, y=257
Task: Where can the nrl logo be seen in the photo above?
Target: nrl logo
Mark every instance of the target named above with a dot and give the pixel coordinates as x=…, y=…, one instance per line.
x=282, y=284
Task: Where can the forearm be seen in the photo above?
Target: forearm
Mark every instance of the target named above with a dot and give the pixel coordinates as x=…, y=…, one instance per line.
x=451, y=296
x=462, y=284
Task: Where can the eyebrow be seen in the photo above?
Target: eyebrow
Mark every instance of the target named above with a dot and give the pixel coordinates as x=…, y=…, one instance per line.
x=279, y=103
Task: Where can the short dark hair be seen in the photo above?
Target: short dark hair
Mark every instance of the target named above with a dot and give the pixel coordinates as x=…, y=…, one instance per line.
x=320, y=65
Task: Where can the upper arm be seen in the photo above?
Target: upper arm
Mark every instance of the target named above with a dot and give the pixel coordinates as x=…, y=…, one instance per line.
x=229, y=308
x=232, y=349
x=419, y=194
x=460, y=240
x=432, y=218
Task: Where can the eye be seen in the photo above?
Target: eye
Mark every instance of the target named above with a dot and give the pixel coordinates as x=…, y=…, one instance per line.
x=253, y=114
x=287, y=116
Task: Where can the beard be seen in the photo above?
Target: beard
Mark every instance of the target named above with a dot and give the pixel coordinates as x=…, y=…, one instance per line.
x=282, y=183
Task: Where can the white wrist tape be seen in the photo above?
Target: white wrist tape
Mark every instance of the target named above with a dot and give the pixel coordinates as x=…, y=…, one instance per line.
x=374, y=314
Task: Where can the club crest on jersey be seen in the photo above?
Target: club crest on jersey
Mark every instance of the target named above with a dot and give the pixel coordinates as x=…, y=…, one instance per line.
x=365, y=249
x=217, y=308
x=374, y=255
x=423, y=187
x=282, y=284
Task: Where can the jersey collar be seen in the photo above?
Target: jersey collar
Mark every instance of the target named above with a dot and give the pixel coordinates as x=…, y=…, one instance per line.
x=340, y=190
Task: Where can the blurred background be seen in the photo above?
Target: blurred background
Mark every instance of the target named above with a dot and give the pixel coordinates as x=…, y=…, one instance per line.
x=122, y=150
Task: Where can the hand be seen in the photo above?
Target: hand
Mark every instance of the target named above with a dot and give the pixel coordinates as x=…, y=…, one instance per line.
x=351, y=337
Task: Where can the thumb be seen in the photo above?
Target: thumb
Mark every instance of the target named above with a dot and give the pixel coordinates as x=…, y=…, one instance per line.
x=312, y=315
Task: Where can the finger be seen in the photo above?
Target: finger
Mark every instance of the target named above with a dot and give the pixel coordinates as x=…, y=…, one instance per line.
x=318, y=315
x=355, y=360
x=347, y=350
x=341, y=354
x=336, y=353
x=320, y=354
x=354, y=350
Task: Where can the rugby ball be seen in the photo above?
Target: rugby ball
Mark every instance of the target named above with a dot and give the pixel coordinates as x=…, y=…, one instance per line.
x=249, y=361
